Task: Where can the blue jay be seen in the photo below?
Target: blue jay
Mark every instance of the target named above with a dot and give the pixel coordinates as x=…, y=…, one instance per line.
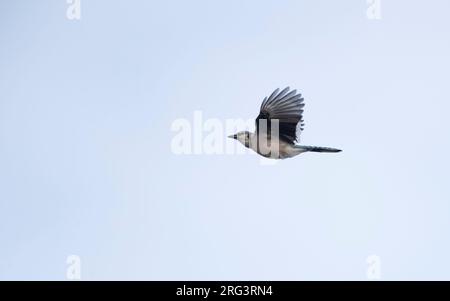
x=278, y=127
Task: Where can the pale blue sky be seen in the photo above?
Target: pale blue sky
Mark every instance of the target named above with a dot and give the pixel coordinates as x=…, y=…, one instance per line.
x=86, y=166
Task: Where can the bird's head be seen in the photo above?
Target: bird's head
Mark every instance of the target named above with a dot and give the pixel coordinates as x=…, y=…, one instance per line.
x=242, y=137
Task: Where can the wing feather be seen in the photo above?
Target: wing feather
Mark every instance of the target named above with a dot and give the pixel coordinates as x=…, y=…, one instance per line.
x=287, y=107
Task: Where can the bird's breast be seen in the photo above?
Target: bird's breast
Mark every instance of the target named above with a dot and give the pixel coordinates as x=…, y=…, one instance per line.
x=272, y=148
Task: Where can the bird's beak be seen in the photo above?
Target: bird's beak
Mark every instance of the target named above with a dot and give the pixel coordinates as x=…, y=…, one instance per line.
x=232, y=136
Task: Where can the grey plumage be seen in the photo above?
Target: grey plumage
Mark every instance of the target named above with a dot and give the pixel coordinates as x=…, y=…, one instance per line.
x=283, y=110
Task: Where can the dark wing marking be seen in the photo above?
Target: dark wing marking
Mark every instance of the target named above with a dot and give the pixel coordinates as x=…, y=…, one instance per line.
x=287, y=107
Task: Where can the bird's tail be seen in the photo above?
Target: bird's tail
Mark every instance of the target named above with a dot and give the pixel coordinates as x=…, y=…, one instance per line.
x=319, y=149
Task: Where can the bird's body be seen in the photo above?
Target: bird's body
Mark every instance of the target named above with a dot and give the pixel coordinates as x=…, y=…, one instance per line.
x=278, y=127
x=267, y=147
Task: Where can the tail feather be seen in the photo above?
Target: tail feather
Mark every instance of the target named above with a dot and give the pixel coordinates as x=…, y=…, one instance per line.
x=319, y=149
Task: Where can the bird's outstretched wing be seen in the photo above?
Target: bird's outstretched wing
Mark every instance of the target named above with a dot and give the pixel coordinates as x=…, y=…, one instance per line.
x=287, y=107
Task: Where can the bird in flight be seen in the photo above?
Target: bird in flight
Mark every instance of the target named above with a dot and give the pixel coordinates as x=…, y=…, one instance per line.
x=278, y=127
